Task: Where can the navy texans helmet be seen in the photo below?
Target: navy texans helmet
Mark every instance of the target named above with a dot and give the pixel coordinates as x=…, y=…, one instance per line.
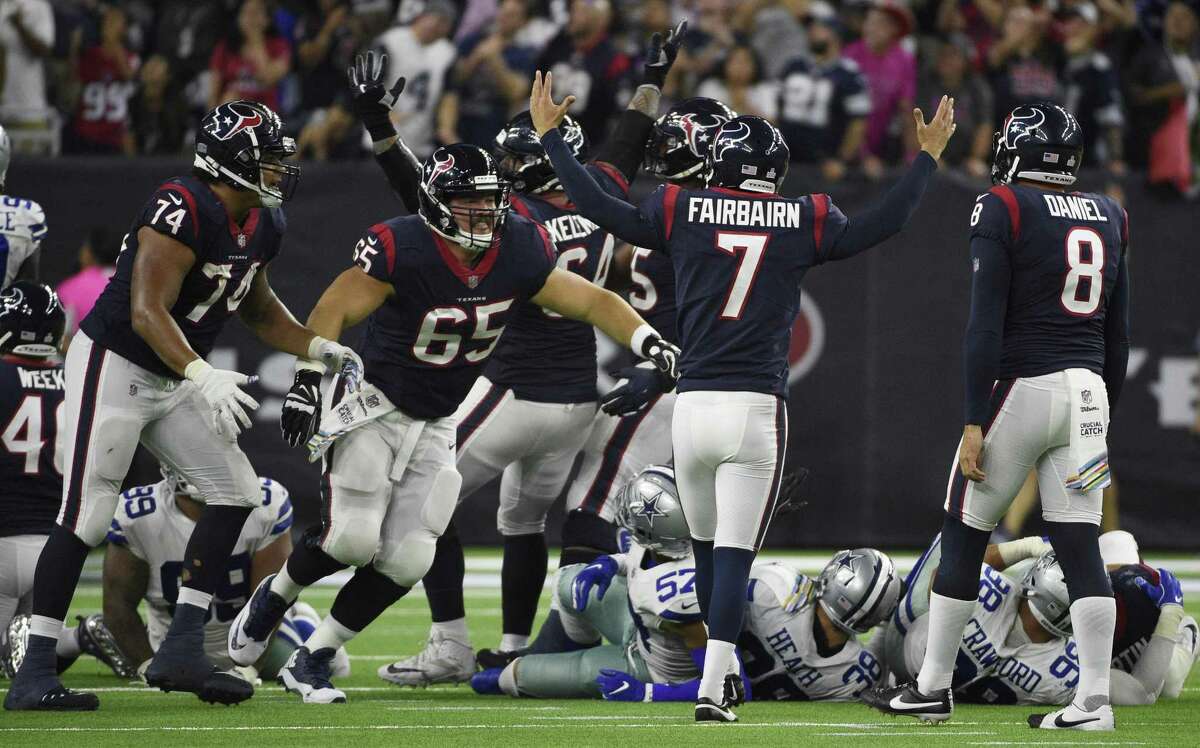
x=463, y=171
x=31, y=320
x=1039, y=142
x=680, y=139
x=523, y=160
x=242, y=144
x=748, y=153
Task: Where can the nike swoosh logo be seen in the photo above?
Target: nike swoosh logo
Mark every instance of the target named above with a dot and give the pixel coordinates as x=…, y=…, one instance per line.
x=1060, y=722
x=175, y=198
x=623, y=688
x=394, y=669
x=689, y=606
x=237, y=640
x=899, y=703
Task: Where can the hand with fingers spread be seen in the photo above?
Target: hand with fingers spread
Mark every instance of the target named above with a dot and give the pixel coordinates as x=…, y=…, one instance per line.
x=371, y=101
x=546, y=115
x=933, y=136
x=661, y=55
x=220, y=388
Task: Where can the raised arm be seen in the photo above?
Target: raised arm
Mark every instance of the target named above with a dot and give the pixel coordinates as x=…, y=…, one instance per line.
x=373, y=104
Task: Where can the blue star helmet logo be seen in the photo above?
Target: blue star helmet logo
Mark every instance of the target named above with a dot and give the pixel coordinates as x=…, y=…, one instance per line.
x=650, y=509
x=847, y=562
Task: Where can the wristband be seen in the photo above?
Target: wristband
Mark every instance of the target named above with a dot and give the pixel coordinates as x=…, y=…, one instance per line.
x=1169, y=618
x=637, y=341
x=197, y=368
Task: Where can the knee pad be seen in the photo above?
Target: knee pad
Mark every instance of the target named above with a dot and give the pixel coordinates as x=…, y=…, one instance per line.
x=407, y=561
x=441, y=501
x=586, y=535
x=527, y=518
x=351, y=542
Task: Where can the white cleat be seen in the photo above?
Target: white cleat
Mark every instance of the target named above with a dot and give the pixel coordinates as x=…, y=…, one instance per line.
x=255, y=622
x=339, y=667
x=443, y=660
x=1071, y=717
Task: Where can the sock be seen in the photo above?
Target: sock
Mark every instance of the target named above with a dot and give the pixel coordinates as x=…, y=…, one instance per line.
x=1093, y=620
x=522, y=577
x=508, y=679
x=947, y=618
x=444, y=581
x=41, y=657
x=455, y=630
x=330, y=634
x=702, y=551
x=68, y=643
x=731, y=574
x=211, y=545
x=962, y=549
x=185, y=637
x=513, y=642
x=364, y=597
x=717, y=655
x=284, y=586
x=309, y=563
x=56, y=576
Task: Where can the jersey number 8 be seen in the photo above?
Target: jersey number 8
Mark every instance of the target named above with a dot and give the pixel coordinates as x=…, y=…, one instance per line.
x=1084, y=285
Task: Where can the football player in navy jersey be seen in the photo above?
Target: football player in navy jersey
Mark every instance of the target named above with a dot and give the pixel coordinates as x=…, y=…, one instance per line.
x=436, y=290
x=1045, y=354
x=740, y=251
x=196, y=253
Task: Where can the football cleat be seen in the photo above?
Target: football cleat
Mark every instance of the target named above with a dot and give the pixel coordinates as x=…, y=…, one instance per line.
x=96, y=640
x=487, y=682
x=48, y=695
x=908, y=701
x=708, y=710
x=1071, y=717
x=735, y=690
x=307, y=673
x=443, y=660
x=255, y=622
x=174, y=671
x=12, y=645
x=487, y=659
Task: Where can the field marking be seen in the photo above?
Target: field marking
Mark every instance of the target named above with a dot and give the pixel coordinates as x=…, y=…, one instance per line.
x=512, y=708
x=1053, y=742
x=879, y=729
x=885, y=733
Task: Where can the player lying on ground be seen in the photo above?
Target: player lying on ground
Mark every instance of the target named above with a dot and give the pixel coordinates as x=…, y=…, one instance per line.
x=1017, y=647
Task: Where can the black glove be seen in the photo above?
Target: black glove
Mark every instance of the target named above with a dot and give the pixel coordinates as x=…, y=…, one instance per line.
x=643, y=384
x=791, y=491
x=302, y=408
x=661, y=55
x=372, y=103
x=662, y=354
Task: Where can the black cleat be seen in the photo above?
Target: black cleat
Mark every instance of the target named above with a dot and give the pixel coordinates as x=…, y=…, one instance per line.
x=908, y=701
x=168, y=672
x=250, y=633
x=96, y=640
x=48, y=695
x=735, y=690
x=708, y=710
x=487, y=659
x=13, y=644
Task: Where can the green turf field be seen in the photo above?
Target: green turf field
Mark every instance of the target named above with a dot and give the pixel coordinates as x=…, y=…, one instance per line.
x=381, y=714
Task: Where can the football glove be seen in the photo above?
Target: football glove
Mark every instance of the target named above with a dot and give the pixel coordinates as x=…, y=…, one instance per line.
x=618, y=686
x=1168, y=591
x=339, y=358
x=598, y=574
x=301, y=408
x=661, y=55
x=371, y=101
x=642, y=384
x=648, y=344
x=221, y=390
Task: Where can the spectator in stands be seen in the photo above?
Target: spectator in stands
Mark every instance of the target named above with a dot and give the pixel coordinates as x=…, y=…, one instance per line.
x=186, y=33
x=891, y=73
x=952, y=74
x=490, y=81
x=26, y=36
x=1093, y=91
x=586, y=63
x=326, y=39
x=707, y=43
x=1023, y=65
x=422, y=53
x=739, y=84
x=777, y=31
x=251, y=60
x=159, y=114
x=97, y=263
x=105, y=74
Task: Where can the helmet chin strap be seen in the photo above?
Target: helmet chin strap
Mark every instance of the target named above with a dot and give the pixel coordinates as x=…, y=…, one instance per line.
x=268, y=197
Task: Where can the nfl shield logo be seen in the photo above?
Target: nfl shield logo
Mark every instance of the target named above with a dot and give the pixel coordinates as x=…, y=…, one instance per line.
x=1086, y=396
x=241, y=241
x=472, y=281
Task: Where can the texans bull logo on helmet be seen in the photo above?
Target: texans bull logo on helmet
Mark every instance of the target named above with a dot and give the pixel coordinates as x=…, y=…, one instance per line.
x=730, y=139
x=440, y=167
x=229, y=122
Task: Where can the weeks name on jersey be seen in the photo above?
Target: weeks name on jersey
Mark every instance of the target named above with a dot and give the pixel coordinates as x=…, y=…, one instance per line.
x=1074, y=206
x=41, y=379
x=729, y=211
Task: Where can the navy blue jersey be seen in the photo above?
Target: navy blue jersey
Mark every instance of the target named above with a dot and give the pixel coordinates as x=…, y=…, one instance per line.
x=817, y=103
x=1137, y=616
x=739, y=258
x=227, y=258
x=543, y=356
x=653, y=291
x=1061, y=257
x=426, y=345
x=31, y=398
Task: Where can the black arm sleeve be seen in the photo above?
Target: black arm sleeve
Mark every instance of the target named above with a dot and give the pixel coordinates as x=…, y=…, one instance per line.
x=626, y=147
x=888, y=216
x=625, y=221
x=984, y=341
x=1116, y=337
x=403, y=173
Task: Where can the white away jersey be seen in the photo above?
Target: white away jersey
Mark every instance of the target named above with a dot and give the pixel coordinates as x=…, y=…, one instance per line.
x=22, y=228
x=662, y=598
x=779, y=651
x=151, y=525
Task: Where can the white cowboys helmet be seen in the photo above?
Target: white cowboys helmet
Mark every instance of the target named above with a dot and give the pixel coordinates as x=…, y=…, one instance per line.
x=649, y=508
x=1045, y=587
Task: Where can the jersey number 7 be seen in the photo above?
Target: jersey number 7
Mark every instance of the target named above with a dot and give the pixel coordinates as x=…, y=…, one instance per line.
x=748, y=249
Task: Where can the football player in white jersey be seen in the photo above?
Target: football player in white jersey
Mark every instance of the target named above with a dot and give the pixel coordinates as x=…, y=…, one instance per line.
x=22, y=226
x=643, y=602
x=1017, y=647
x=799, y=637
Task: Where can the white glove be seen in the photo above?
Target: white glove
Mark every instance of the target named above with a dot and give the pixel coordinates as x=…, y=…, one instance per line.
x=340, y=358
x=220, y=389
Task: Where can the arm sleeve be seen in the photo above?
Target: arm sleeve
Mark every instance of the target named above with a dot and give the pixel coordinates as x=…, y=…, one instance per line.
x=884, y=218
x=625, y=221
x=984, y=341
x=1116, y=336
x=626, y=146
x=403, y=172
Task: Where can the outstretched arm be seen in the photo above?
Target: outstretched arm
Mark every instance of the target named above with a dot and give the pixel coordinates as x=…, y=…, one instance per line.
x=373, y=103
